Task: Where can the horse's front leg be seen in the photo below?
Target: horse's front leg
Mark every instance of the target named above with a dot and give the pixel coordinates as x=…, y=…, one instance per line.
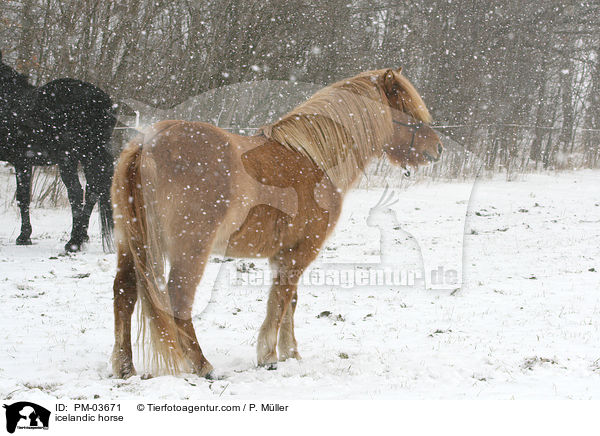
x=68, y=174
x=23, y=173
x=290, y=264
x=287, y=346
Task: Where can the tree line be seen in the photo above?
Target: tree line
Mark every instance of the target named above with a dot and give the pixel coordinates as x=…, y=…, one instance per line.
x=517, y=83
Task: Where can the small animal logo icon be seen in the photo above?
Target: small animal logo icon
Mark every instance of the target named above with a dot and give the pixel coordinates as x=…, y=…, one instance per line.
x=26, y=415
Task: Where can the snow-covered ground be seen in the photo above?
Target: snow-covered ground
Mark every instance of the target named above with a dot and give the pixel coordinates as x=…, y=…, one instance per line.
x=524, y=324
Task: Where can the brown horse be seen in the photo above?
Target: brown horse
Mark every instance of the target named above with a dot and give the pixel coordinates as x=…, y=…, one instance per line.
x=184, y=190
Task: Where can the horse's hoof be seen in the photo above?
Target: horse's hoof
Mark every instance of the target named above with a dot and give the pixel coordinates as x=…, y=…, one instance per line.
x=123, y=371
x=206, y=371
x=212, y=375
x=73, y=247
x=124, y=375
x=289, y=355
x=23, y=241
x=272, y=366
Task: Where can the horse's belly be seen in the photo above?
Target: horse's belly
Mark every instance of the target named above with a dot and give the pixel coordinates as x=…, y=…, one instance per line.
x=263, y=233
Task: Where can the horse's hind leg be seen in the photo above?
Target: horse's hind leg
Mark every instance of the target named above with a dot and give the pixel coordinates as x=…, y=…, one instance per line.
x=23, y=173
x=68, y=174
x=125, y=293
x=92, y=193
x=184, y=276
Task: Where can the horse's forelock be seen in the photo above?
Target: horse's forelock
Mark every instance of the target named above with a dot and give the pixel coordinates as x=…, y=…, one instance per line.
x=412, y=101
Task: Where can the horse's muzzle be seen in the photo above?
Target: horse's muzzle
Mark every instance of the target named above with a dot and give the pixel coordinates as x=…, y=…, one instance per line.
x=430, y=158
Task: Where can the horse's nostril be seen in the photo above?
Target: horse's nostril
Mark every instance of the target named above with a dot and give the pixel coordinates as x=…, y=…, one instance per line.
x=440, y=148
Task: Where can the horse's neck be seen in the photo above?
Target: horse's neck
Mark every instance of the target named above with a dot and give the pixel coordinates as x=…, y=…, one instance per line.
x=354, y=177
x=19, y=102
x=350, y=179
x=17, y=98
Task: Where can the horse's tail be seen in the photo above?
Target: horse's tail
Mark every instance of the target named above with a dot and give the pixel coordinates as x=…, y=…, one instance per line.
x=107, y=124
x=138, y=230
x=104, y=181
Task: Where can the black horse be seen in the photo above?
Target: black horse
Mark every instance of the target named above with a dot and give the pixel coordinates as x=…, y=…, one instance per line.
x=64, y=122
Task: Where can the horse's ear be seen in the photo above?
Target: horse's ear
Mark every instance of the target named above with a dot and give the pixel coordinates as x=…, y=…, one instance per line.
x=390, y=85
x=4, y=405
x=399, y=70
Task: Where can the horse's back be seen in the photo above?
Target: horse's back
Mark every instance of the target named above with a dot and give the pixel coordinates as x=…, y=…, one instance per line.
x=199, y=148
x=66, y=91
x=248, y=196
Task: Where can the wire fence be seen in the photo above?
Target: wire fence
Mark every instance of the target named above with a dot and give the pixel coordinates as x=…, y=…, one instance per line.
x=470, y=150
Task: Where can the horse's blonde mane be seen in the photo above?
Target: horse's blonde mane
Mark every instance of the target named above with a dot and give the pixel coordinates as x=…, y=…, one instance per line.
x=341, y=126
